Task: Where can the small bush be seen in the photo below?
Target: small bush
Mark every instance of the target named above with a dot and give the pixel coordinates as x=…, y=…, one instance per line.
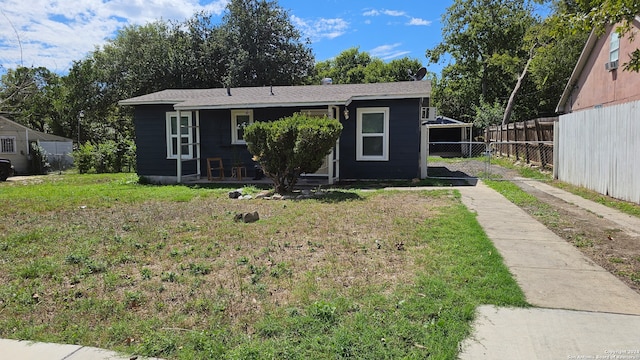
x=291, y=146
x=105, y=157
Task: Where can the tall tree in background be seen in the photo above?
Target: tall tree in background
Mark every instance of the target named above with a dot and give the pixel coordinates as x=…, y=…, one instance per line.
x=553, y=50
x=355, y=67
x=27, y=95
x=255, y=44
x=484, y=38
x=556, y=54
x=263, y=47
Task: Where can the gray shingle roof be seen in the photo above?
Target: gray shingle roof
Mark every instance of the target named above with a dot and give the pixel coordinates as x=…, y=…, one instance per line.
x=278, y=96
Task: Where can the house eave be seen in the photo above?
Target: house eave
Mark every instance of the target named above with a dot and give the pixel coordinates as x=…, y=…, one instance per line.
x=256, y=105
x=387, y=97
x=577, y=70
x=148, y=102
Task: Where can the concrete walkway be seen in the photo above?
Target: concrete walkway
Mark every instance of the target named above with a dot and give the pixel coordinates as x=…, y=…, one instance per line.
x=582, y=311
x=27, y=350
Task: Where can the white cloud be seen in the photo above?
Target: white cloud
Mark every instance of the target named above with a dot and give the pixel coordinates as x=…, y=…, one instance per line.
x=374, y=12
x=394, y=13
x=388, y=52
x=318, y=29
x=54, y=33
x=419, y=22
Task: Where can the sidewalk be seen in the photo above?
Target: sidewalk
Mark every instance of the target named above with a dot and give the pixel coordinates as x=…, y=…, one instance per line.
x=581, y=310
x=27, y=350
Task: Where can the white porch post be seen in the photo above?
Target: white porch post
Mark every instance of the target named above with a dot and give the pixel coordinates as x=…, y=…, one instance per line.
x=424, y=149
x=179, y=145
x=197, y=128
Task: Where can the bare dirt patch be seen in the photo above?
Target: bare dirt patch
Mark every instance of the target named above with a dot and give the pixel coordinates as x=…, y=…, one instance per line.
x=600, y=239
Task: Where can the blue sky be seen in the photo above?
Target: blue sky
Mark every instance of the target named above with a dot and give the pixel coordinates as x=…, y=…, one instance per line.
x=53, y=33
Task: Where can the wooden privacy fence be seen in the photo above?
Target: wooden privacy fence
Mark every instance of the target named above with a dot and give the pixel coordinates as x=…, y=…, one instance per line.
x=530, y=140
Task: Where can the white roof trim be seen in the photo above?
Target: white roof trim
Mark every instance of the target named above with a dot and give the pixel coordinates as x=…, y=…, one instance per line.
x=252, y=106
x=392, y=97
x=577, y=70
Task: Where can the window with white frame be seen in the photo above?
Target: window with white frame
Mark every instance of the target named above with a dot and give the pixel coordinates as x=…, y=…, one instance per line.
x=614, y=46
x=7, y=144
x=239, y=120
x=184, y=139
x=372, y=142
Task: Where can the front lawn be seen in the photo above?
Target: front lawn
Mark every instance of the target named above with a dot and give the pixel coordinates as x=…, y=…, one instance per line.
x=100, y=260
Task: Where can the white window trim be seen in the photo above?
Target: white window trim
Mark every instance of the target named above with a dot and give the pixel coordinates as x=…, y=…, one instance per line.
x=234, y=125
x=614, y=46
x=385, y=136
x=186, y=134
x=13, y=143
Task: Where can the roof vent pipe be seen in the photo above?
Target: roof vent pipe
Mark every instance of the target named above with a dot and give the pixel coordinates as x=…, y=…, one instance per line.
x=228, y=90
x=271, y=90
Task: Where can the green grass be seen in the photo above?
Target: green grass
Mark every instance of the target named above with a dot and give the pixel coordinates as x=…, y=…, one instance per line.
x=626, y=207
x=621, y=205
x=454, y=160
x=542, y=211
x=100, y=260
x=524, y=171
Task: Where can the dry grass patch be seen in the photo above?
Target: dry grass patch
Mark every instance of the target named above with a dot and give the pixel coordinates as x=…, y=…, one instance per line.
x=175, y=276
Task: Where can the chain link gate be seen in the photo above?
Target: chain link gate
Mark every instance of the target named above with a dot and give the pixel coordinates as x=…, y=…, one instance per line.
x=469, y=160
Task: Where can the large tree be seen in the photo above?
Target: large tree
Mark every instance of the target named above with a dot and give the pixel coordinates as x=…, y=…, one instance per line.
x=28, y=94
x=255, y=44
x=553, y=50
x=353, y=66
x=262, y=45
x=484, y=38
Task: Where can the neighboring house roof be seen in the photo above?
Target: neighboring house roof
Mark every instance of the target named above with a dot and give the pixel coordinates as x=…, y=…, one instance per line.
x=443, y=120
x=577, y=70
x=33, y=134
x=281, y=96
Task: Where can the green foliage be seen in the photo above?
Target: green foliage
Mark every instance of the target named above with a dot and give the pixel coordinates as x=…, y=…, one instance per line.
x=355, y=67
x=261, y=46
x=28, y=94
x=488, y=114
x=485, y=38
x=598, y=14
x=105, y=157
x=83, y=157
x=38, y=163
x=291, y=146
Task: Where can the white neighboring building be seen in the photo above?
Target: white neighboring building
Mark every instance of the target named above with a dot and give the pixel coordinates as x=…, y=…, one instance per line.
x=14, y=145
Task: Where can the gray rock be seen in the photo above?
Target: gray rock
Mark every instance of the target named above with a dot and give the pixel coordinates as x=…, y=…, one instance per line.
x=251, y=217
x=262, y=194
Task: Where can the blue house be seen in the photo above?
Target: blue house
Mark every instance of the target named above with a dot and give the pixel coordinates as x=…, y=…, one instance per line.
x=383, y=136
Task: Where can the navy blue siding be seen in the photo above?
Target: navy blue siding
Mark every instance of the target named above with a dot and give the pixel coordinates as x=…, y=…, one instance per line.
x=215, y=140
x=404, y=143
x=215, y=136
x=151, y=143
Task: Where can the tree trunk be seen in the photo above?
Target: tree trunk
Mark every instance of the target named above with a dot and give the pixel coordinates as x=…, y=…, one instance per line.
x=509, y=109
